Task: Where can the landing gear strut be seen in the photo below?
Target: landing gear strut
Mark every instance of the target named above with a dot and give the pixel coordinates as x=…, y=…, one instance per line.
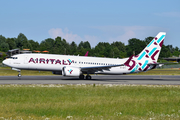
x=18, y=70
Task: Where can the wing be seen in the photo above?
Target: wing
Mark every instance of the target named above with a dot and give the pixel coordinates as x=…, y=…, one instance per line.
x=101, y=68
x=98, y=68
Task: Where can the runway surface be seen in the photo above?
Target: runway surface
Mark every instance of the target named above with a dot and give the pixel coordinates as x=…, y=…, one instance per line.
x=100, y=79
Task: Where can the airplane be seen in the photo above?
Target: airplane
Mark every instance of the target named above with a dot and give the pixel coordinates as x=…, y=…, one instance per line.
x=77, y=66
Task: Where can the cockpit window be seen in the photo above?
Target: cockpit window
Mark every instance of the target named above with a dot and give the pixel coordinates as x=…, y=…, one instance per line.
x=13, y=57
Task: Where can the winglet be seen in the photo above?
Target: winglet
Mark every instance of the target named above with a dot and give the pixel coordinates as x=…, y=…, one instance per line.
x=86, y=53
x=128, y=61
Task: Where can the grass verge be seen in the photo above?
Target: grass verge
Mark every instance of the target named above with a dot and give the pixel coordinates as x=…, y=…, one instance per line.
x=6, y=71
x=89, y=102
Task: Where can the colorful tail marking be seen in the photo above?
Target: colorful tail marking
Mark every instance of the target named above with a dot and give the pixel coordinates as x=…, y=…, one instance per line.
x=148, y=56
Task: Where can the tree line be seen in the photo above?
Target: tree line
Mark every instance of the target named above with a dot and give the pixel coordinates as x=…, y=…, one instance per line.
x=102, y=49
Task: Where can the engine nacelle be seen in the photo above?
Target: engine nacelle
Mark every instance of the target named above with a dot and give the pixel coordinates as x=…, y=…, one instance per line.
x=71, y=71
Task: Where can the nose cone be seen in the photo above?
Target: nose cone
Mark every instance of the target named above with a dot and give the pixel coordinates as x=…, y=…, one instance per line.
x=5, y=62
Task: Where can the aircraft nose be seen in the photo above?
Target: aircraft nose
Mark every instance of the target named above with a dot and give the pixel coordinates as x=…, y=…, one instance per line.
x=4, y=62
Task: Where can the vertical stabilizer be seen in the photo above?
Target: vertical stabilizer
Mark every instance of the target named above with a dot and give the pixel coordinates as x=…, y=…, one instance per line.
x=149, y=55
x=153, y=49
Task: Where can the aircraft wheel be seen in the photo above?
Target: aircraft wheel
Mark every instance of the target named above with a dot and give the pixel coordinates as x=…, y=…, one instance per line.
x=88, y=77
x=19, y=75
x=81, y=77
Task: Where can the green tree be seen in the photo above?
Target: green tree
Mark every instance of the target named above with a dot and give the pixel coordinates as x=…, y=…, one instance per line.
x=4, y=47
x=119, y=45
x=86, y=45
x=58, y=46
x=35, y=45
x=11, y=42
x=42, y=46
x=2, y=39
x=99, y=49
x=66, y=47
x=170, y=47
x=165, y=52
x=47, y=44
x=22, y=42
x=176, y=53
x=104, y=49
x=108, y=52
x=73, y=48
x=135, y=45
x=116, y=52
x=119, y=49
x=80, y=45
x=148, y=40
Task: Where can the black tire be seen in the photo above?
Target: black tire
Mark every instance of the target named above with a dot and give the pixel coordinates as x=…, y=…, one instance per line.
x=19, y=75
x=88, y=77
x=81, y=77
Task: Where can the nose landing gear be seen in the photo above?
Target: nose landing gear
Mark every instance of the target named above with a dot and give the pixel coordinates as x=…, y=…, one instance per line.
x=19, y=75
x=18, y=70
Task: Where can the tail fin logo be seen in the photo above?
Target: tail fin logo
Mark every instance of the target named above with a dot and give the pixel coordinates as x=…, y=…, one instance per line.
x=153, y=48
x=149, y=55
x=127, y=63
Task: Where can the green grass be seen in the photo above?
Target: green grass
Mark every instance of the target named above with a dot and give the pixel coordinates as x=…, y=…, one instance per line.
x=6, y=71
x=89, y=102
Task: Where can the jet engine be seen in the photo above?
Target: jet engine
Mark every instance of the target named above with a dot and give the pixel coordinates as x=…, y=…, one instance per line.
x=71, y=71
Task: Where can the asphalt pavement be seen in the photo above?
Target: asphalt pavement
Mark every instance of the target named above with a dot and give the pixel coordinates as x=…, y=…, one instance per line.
x=96, y=79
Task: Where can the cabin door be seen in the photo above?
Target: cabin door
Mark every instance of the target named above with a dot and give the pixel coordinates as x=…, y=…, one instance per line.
x=26, y=59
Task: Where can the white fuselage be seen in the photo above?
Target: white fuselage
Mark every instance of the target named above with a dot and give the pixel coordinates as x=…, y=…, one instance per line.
x=51, y=62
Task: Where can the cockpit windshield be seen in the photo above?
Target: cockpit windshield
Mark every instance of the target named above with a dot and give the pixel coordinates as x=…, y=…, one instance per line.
x=13, y=58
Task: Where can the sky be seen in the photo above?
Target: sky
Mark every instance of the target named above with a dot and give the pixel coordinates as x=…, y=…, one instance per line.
x=91, y=20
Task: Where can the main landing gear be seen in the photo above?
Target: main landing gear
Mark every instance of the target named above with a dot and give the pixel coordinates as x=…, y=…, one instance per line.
x=88, y=77
x=81, y=77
